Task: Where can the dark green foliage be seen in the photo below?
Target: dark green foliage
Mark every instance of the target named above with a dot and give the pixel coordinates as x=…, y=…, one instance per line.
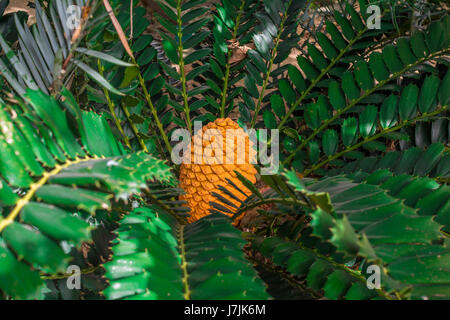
x=89, y=176
x=355, y=221
x=46, y=59
x=364, y=159
x=157, y=258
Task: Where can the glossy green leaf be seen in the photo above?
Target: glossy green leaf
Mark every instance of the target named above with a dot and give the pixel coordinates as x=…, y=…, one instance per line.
x=408, y=102
x=286, y=91
x=428, y=94
x=330, y=142
x=363, y=76
x=389, y=111
x=34, y=247
x=336, y=96
x=349, y=131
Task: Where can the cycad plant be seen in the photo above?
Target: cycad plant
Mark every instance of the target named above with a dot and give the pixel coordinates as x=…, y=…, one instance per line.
x=90, y=193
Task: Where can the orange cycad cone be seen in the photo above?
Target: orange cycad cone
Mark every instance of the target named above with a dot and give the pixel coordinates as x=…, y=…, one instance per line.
x=203, y=176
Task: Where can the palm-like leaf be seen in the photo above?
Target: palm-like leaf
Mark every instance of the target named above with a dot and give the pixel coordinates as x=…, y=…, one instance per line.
x=363, y=115
x=378, y=219
x=47, y=173
x=154, y=257
x=50, y=51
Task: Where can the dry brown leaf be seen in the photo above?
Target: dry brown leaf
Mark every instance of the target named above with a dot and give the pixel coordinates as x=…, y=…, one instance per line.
x=118, y=28
x=391, y=146
x=239, y=52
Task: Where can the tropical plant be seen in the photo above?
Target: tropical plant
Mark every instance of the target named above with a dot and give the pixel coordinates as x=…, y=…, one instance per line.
x=50, y=52
x=87, y=178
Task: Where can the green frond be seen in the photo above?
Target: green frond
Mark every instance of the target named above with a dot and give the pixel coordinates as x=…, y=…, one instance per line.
x=432, y=162
x=361, y=93
x=154, y=257
x=43, y=181
x=358, y=209
x=48, y=51
x=320, y=275
x=383, y=223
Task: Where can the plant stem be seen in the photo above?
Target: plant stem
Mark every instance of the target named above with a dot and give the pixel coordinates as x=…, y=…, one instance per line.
x=268, y=201
x=133, y=127
x=228, y=66
x=147, y=95
x=356, y=274
x=187, y=292
x=321, y=75
x=269, y=68
x=181, y=65
x=154, y=112
x=111, y=107
x=356, y=102
x=317, y=80
x=269, y=266
x=21, y=203
x=67, y=275
x=373, y=138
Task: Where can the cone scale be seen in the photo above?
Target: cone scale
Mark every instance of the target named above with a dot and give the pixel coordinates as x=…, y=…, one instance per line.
x=203, y=176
